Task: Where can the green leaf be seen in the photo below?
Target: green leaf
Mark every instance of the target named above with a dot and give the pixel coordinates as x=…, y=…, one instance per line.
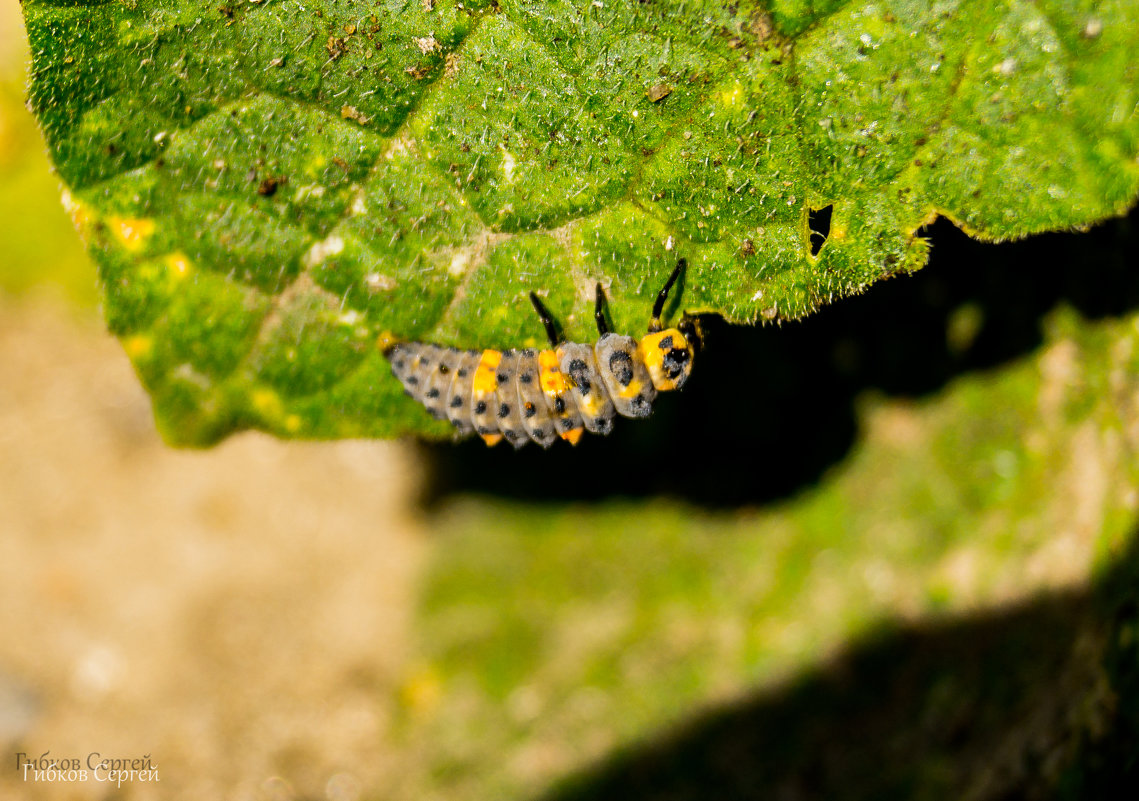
x=268, y=187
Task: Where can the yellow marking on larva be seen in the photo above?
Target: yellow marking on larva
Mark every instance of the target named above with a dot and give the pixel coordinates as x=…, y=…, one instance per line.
x=631, y=391
x=552, y=380
x=591, y=404
x=491, y=439
x=131, y=232
x=573, y=436
x=650, y=350
x=178, y=263
x=486, y=380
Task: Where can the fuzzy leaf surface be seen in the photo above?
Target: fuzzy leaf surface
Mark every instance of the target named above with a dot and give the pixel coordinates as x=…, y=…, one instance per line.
x=267, y=187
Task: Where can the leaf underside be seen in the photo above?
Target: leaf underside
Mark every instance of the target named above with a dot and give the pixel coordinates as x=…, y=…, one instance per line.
x=267, y=187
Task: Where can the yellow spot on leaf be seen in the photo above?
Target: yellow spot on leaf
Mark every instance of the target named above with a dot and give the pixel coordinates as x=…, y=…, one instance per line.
x=386, y=340
x=508, y=164
x=266, y=401
x=76, y=210
x=138, y=346
x=293, y=423
x=131, y=232
x=733, y=97
x=178, y=263
x=315, y=165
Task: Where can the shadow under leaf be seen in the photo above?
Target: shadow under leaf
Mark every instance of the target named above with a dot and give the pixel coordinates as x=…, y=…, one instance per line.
x=1039, y=701
x=770, y=409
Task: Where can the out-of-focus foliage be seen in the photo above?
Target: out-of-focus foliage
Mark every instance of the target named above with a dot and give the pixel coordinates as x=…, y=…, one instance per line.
x=40, y=247
x=268, y=186
x=610, y=627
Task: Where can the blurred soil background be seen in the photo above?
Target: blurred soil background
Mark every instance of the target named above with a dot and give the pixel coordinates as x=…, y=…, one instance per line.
x=922, y=582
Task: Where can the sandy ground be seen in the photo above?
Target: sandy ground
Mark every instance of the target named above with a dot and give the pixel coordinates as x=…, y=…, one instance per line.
x=240, y=615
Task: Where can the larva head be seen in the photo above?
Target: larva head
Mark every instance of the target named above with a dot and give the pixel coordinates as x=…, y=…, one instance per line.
x=668, y=357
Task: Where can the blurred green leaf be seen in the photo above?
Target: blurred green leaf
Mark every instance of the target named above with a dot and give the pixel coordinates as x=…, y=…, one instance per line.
x=586, y=633
x=267, y=187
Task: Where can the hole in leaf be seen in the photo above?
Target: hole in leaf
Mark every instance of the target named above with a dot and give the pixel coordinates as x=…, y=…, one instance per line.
x=819, y=221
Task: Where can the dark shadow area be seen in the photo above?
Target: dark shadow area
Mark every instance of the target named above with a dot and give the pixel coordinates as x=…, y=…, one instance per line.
x=779, y=399
x=1040, y=701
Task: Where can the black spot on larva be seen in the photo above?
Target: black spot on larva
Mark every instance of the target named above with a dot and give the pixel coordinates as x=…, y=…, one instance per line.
x=457, y=423
x=399, y=364
x=640, y=403
x=665, y=343
x=502, y=378
x=566, y=424
x=512, y=436
x=408, y=393
x=443, y=369
x=621, y=366
x=674, y=362
x=456, y=401
x=433, y=393
x=559, y=405
x=485, y=430
x=531, y=409
x=462, y=372
x=413, y=380
x=604, y=425
x=578, y=373
x=528, y=352
x=424, y=362
x=436, y=412
x=480, y=407
x=504, y=410
x=526, y=378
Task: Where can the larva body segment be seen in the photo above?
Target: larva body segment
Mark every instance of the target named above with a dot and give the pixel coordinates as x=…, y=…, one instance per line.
x=626, y=378
x=537, y=415
x=439, y=381
x=579, y=364
x=484, y=390
x=459, y=392
x=524, y=395
x=559, y=396
x=508, y=416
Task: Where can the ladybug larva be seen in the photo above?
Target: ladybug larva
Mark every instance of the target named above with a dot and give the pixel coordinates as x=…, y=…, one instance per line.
x=541, y=395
